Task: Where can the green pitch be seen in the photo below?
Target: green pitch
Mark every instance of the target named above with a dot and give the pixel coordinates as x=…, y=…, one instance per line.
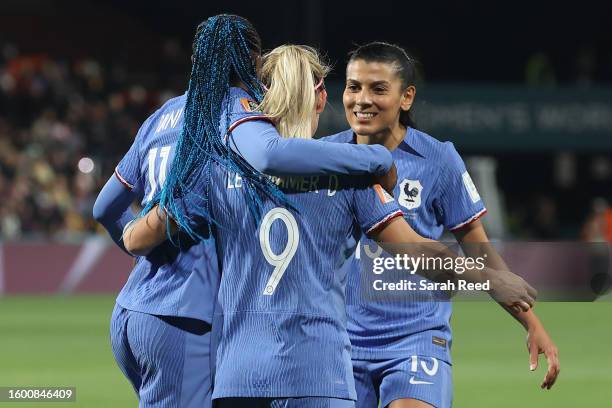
x=63, y=341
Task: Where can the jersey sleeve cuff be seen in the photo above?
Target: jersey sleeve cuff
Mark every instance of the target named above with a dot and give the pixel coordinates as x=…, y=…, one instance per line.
x=473, y=218
x=383, y=223
x=123, y=181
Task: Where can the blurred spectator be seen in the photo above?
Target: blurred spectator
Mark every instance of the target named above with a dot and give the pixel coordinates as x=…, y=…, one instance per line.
x=598, y=226
x=586, y=67
x=539, y=71
x=543, y=222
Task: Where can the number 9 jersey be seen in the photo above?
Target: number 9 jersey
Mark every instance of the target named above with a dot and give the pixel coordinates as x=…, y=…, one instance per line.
x=282, y=287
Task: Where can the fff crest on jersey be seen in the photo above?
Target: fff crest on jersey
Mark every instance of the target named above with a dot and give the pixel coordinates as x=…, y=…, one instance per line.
x=410, y=194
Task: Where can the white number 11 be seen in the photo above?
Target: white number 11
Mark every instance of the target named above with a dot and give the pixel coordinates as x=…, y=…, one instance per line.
x=154, y=181
x=281, y=261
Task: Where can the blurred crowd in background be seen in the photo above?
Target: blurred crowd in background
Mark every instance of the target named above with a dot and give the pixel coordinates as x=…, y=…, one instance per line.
x=63, y=127
x=65, y=124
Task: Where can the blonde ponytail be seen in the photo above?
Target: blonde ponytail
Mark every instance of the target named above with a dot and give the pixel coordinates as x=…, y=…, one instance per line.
x=291, y=72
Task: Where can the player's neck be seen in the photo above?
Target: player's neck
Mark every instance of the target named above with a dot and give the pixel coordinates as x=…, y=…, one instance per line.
x=390, y=138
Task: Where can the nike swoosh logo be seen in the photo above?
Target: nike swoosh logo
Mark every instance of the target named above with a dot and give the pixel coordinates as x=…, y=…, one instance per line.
x=417, y=382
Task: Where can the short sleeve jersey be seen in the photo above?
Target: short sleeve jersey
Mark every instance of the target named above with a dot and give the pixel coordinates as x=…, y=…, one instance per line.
x=170, y=281
x=435, y=192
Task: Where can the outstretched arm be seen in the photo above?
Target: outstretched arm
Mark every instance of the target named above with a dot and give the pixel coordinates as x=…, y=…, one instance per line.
x=475, y=243
x=505, y=287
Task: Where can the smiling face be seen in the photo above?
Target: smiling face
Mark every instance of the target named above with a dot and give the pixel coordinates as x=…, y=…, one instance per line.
x=374, y=97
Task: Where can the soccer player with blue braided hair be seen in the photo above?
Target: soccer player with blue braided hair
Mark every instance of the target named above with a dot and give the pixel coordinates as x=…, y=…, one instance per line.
x=161, y=325
x=401, y=347
x=283, y=341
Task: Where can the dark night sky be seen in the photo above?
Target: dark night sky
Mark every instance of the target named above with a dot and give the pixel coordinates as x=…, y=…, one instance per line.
x=454, y=40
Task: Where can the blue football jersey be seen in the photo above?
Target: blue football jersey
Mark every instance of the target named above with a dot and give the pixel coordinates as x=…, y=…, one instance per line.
x=435, y=192
x=170, y=281
x=282, y=290
x=182, y=281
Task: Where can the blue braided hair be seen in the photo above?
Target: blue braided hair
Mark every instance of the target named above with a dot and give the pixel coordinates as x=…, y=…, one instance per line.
x=224, y=52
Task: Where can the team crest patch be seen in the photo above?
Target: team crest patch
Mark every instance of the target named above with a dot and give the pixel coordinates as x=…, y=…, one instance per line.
x=410, y=194
x=249, y=105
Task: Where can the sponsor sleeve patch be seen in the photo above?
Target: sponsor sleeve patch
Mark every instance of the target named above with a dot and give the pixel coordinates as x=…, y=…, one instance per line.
x=249, y=105
x=470, y=187
x=382, y=194
x=438, y=341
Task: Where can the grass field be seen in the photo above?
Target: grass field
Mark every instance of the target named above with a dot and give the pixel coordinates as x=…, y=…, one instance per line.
x=63, y=341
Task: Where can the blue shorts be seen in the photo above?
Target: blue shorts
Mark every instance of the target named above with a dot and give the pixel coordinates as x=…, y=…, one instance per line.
x=304, y=402
x=419, y=377
x=167, y=359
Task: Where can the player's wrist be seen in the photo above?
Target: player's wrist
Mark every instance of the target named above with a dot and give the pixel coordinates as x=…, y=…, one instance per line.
x=125, y=237
x=530, y=322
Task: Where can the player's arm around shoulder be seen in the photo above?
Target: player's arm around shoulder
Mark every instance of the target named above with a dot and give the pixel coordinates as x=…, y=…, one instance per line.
x=260, y=144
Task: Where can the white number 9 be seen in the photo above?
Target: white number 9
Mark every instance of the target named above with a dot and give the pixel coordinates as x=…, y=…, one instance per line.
x=281, y=261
